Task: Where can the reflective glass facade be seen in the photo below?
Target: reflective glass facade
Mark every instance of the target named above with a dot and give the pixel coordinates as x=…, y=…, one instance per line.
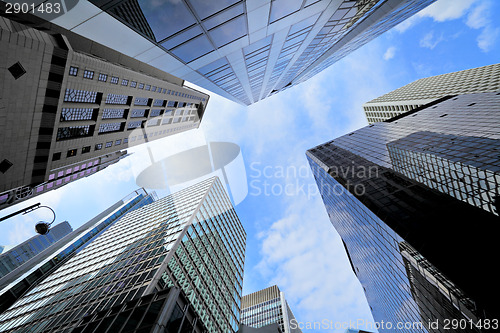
x=242, y=50
x=191, y=240
x=23, y=252
x=415, y=199
x=265, y=307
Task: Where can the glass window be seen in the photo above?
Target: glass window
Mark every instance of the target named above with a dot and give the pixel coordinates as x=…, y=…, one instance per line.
x=86, y=149
x=108, y=144
x=133, y=84
x=103, y=77
x=193, y=49
x=73, y=71
x=183, y=37
x=71, y=153
x=88, y=74
x=98, y=146
x=167, y=18
x=224, y=16
x=124, y=82
x=282, y=8
x=206, y=8
x=114, y=80
x=56, y=156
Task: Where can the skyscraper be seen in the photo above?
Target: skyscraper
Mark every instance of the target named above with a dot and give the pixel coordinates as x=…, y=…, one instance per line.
x=23, y=252
x=190, y=243
x=25, y=277
x=415, y=200
x=265, y=307
x=242, y=50
x=70, y=106
x=429, y=89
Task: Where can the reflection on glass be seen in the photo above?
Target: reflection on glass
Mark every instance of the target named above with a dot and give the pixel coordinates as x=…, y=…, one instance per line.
x=229, y=32
x=206, y=8
x=282, y=8
x=193, y=49
x=166, y=17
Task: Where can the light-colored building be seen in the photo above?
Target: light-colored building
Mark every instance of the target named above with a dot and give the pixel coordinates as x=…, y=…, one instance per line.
x=244, y=50
x=265, y=307
x=431, y=89
x=70, y=107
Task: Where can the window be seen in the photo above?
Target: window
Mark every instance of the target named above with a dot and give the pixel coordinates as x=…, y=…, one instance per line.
x=5, y=165
x=88, y=74
x=109, y=144
x=114, y=80
x=116, y=99
x=148, y=87
x=69, y=114
x=109, y=127
x=118, y=142
x=141, y=101
x=125, y=140
x=86, y=149
x=133, y=84
x=73, y=71
x=98, y=146
x=71, y=153
x=113, y=113
x=82, y=96
x=56, y=156
x=103, y=77
x=141, y=86
x=17, y=70
x=124, y=82
x=64, y=133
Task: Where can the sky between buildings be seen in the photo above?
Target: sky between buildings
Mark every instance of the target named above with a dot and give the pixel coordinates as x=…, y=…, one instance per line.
x=290, y=241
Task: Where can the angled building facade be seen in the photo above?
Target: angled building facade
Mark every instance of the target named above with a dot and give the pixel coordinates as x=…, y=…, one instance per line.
x=415, y=199
x=266, y=308
x=430, y=89
x=18, y=255
x=176, y=258
x=242, y=50
x=71, y=107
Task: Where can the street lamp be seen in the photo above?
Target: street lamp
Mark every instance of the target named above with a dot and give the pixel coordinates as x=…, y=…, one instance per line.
x=41, y=227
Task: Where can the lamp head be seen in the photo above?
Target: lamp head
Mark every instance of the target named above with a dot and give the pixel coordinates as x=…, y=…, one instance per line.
x=42, y=228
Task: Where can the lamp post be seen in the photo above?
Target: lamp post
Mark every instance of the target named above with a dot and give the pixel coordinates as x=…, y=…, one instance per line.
x=41, y=227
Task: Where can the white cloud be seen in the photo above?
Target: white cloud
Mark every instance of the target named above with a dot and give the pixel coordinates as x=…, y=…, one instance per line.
x=445, y=10
x=480, y=18
x=430, y=41
x=477, y=15
x=487, y=38
x=389, y=54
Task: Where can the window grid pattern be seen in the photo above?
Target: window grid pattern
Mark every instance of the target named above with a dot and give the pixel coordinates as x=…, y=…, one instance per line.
x=80, y=96
x=113, y=113
x=117, y=266
x=141, y=101
x=109, y=127
x=71, y=114
x=73, y=132
x=137, y=113
x=103, y=77
x=116, y=99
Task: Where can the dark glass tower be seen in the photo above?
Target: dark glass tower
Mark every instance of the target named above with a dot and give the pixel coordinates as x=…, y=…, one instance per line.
x=178, y=257
x=415, y=200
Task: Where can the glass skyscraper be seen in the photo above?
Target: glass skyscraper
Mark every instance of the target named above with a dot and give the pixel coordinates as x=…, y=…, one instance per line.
x=242, y=50
x=25, y=251
x=190, y=243
x=265, y=307
x=415, y=200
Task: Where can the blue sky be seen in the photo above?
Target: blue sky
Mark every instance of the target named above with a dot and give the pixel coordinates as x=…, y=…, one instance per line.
x=291, y=242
